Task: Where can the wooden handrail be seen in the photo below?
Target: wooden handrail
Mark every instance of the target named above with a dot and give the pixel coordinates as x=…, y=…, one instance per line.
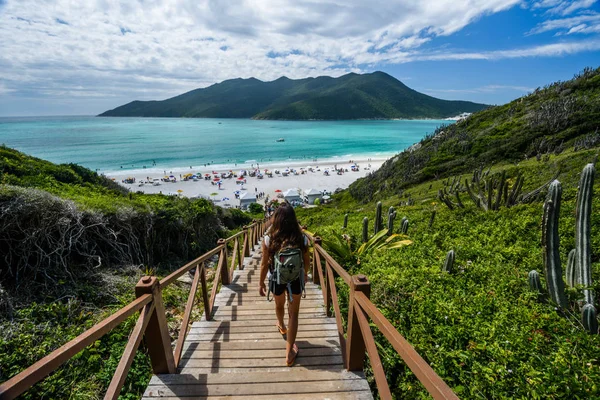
x=116, y=384
x=151, y=322
x=167, y=280
x=186, y=316
x=432, y=382
x=35, y=373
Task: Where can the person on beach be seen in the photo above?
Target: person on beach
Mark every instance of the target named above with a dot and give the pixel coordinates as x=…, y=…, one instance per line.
x=284, y=233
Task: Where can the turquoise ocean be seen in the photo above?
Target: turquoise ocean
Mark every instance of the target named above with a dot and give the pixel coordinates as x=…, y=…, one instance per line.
x=116, y=144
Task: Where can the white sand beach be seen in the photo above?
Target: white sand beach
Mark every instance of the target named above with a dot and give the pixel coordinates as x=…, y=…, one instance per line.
x=314, y=177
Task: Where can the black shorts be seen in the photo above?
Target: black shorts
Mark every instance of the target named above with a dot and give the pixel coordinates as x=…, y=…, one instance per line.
x=278, y=290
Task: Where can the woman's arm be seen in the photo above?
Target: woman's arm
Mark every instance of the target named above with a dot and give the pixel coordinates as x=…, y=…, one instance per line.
x=264, y=268
x=306, y=257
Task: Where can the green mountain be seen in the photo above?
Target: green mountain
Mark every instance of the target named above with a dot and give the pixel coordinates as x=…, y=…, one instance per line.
x=547, y=121
x=352, y=96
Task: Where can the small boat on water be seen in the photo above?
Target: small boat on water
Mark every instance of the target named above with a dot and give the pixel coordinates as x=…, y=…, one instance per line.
x=280, y=140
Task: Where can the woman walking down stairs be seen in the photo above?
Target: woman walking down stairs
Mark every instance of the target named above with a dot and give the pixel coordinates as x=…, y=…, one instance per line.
x=241, y=354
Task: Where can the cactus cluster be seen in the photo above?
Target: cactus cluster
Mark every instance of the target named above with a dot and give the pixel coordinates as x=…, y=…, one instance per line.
x=404, y=226
x=378, y=220
x=488, y=192
x=391, y=218
x=550, y=245
x=578, y=270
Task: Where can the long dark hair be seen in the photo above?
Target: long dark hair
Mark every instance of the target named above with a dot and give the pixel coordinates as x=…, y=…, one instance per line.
x=285, y=230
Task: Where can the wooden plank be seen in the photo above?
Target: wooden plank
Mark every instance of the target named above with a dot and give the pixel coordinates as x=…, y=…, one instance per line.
x=264, y=370
x=258, y=362
x=262, y=322
x=270, y=316
x=255, y=377
x=274, y=388
x=224, y=327
x=264, y=308
x=228, y=337
x=263, y=344
x=354, y=395
x=271, y=306
x=260, y=354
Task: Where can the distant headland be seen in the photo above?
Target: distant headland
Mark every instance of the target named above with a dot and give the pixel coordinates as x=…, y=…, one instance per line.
x=353, y=96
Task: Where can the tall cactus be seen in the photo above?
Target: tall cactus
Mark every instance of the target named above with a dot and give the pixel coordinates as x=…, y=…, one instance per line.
x=404, y=226
x=431, y=219
x=365, y=230
x=535, y=283
x=589, y=319
x=583, y=257
x=449, y=263
x=378, y=220
x=550, y=244
x=570, y=272
x=391, y=218
x=345, y=220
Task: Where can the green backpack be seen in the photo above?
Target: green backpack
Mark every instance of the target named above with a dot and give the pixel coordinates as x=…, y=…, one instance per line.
x=288, y=265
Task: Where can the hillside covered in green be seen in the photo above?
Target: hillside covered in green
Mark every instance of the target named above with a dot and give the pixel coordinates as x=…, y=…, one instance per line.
x=545, y=122
x=352, y=96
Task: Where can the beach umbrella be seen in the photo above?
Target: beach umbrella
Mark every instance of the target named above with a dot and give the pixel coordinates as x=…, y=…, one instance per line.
x=237, y=192
x=206, y=174
x=326, y=197
x=241, y=178
x=179, y=191
x=278, y=191
x=225, y=199
x=216, y=179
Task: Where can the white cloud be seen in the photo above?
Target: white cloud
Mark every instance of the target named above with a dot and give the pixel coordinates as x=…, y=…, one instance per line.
x=561, y=7
x=547, y=50
x=484, y=89
x=579, y=24
x=143, y=49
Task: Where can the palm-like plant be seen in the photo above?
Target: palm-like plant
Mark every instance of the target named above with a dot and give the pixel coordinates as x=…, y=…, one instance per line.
x=342, y=246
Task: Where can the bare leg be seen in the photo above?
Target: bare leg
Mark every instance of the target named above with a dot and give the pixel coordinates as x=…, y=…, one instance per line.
x=293, y=309
x=280, y=309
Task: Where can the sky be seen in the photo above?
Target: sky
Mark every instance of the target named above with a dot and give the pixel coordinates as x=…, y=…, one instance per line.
x=71, y=57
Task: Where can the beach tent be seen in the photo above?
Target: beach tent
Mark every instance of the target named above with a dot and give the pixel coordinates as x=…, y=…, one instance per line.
x=291, y=195
x=246, y=199
x=312, y=194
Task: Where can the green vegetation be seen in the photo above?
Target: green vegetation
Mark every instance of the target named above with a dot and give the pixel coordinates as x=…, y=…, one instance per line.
x=478, y=324
x=548, y=121
x=352, y=96
x=73, y=246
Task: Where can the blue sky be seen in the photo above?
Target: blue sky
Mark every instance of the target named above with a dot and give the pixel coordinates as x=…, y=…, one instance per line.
x=71, y=58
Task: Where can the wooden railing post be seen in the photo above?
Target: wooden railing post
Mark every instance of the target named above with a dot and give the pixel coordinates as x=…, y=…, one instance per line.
x=315, y=272
x=355, y=344
x=246, y=250
x=157, y=335
x=254, y=229
x=225, y=277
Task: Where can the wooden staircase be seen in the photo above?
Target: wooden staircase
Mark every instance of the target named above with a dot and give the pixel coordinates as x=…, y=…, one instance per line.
x=240, y=354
